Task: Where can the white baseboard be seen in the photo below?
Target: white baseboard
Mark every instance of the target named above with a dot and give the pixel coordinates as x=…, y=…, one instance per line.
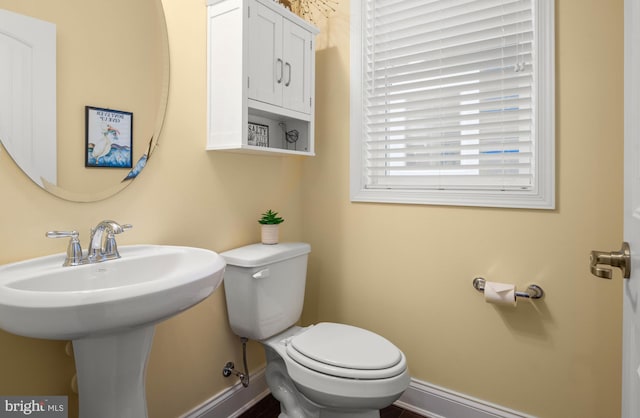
x=436, y=402
x=232, y=402
x=421, y=397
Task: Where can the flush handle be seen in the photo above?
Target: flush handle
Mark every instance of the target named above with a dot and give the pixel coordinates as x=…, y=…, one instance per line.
x=620, y=259
x=262, y=274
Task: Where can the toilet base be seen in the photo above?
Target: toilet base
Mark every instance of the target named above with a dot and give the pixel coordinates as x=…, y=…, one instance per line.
x=293, y=404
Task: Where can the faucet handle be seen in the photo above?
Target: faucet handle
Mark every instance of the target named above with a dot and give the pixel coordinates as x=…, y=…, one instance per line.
x=74, y=249
x=110, y=246
x=113, y=227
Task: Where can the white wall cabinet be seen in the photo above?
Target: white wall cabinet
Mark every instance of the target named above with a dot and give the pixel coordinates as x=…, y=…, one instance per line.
x=279, y=59
x=261, y=71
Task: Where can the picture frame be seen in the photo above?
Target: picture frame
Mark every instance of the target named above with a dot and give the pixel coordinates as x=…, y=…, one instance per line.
x=258, y=135
x=108, y=138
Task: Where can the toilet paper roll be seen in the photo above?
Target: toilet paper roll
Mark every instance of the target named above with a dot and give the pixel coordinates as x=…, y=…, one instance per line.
x=500, y=293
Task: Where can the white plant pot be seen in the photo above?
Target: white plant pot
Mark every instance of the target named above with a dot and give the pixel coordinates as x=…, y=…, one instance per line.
x=270, y=234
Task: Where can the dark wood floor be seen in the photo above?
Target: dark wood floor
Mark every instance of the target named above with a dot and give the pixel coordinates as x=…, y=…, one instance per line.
x=269, y=407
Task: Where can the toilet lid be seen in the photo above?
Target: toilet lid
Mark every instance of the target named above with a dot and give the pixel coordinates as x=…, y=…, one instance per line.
x=346, y=351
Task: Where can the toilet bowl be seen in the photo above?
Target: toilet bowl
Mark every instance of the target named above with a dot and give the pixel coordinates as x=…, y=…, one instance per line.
x=327, y=370
x=340, y=368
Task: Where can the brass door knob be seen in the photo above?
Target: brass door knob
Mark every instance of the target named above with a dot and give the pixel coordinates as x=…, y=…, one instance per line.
x=620, y=259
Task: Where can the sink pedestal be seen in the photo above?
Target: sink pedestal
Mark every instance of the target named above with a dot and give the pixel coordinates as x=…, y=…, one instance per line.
x=111, y=373
x=109, y=311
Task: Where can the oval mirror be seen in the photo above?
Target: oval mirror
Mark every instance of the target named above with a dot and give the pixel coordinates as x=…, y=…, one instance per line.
x=83, y=91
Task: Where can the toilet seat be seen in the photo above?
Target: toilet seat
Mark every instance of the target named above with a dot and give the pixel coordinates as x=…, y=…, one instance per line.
x=346, y=351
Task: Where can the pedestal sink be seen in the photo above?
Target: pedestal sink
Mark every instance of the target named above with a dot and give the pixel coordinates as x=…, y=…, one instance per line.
x=109, y=310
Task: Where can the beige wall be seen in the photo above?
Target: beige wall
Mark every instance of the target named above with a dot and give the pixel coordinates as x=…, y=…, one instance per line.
x=403, y=271
x=406, y=271
x=185, y=196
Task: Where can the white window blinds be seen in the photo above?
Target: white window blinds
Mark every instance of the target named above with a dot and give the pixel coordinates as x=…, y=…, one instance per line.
x=449, y=94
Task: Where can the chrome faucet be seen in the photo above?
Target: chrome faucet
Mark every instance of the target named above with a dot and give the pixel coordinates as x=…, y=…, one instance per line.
x=102, y=243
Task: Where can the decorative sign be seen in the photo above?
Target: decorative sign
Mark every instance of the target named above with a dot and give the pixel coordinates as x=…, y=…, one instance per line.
x=258, y=135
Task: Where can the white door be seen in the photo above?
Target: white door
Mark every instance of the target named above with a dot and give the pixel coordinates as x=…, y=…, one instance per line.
x=28, y=94
x=631, y=310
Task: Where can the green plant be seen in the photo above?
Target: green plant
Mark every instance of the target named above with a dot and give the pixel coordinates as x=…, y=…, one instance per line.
x=270, y=218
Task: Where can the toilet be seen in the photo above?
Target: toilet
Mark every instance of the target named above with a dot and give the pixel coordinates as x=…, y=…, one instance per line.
x=326, y=370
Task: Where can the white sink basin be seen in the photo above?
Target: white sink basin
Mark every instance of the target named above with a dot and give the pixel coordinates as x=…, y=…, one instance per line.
x=40, y=298
x=109, y=310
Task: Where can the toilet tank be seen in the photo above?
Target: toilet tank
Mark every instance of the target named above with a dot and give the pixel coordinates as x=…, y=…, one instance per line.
x=264, y=287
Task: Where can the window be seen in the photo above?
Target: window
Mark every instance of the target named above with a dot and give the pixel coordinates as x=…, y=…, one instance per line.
x=452, y=102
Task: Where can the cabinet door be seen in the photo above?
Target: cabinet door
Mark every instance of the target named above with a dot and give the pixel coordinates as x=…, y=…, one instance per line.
x=297, y=70
x=266, y=65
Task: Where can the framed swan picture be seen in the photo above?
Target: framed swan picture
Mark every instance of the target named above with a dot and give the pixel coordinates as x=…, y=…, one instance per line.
x=109, y=138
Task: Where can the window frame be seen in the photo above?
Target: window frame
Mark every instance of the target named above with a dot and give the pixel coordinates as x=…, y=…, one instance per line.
x=541, y=196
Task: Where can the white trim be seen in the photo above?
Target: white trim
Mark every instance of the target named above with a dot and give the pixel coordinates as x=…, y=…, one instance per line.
x=421, y=397
x=232, y=402
x=437, y=402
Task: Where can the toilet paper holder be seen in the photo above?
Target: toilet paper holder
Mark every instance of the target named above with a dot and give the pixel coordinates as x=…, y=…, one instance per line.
x=533, y=291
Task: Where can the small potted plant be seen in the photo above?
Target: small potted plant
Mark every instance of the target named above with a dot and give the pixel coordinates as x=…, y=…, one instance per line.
x=270, y=222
